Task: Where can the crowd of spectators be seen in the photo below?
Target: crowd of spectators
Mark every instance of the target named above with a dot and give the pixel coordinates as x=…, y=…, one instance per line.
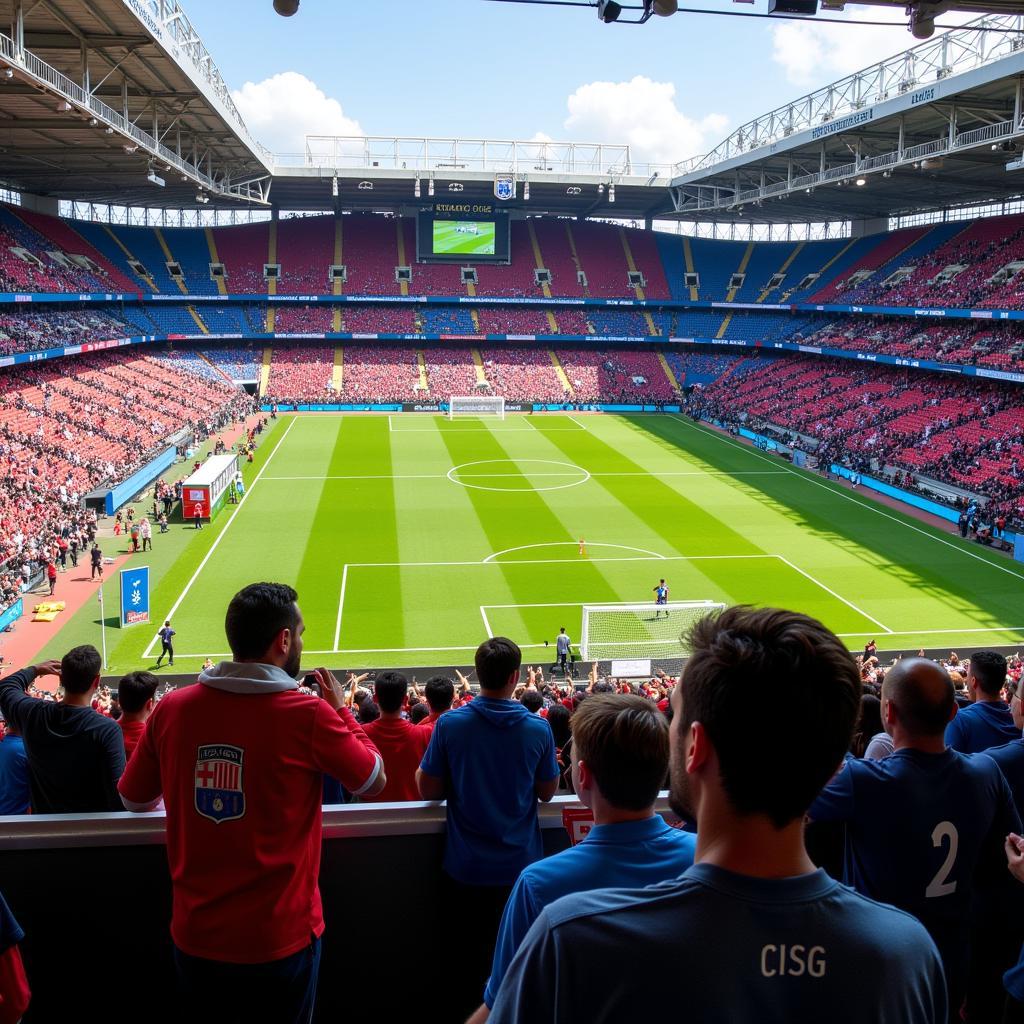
x=916, y=742
x=957, y=430
x=68, y=426
x=41, y=328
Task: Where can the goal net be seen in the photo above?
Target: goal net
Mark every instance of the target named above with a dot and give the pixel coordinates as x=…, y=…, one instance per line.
x=639, y=630
x=476, y=405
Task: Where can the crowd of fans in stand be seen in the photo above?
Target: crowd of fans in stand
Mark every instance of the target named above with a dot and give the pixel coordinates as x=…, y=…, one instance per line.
x=917, y=742
x=955, y=430
x=64, y=433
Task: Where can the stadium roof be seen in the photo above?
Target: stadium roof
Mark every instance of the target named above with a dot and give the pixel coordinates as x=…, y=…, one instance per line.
x=94, y=92
x=100, y=97
x=937, y=126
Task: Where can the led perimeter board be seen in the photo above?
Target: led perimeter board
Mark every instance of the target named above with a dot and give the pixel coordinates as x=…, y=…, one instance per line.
x=465, y=232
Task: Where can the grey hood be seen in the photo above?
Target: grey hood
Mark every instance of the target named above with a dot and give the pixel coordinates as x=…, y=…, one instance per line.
x=247, y=677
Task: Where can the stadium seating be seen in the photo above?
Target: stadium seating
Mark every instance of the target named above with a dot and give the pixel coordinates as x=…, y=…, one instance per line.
x=305, y=251
x=301, y=373
x=42, y=327
x=67, y=425
x=381, y=374
x=236, y=362
x=294, y=319
x=244, y=250
x=523, y=374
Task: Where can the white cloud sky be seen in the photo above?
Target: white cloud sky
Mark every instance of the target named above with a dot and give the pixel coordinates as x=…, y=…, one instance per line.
x=814, y=53
x=642, y=114
x=282, y=109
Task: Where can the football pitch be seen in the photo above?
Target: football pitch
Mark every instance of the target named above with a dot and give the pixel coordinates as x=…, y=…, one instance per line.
x=411, y=538
x=460, y=236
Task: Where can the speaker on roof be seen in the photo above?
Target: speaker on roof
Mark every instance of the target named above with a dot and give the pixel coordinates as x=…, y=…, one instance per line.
x=807, y=7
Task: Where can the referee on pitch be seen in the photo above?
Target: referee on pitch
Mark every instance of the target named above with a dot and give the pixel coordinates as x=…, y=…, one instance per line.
x=562, y=645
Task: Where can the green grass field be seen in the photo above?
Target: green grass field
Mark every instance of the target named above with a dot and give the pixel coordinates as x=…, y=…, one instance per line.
x=409, y=537
x=454, y=236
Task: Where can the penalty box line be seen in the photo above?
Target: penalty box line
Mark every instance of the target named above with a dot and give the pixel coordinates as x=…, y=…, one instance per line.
x=566, y=561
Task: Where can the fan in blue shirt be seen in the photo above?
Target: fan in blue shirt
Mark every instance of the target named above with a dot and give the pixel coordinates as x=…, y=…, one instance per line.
x=14, y=786
x=987, y=722
x=925, y=825
x=620, y=759
x=752, y=934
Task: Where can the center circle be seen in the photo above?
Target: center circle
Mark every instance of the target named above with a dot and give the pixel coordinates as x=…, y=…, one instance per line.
x=518, y=475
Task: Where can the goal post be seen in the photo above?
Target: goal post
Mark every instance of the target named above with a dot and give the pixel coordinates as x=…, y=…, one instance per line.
x=476, y=405
x=639, y=630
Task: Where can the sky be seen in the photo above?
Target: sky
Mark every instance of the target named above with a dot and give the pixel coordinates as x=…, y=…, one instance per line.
x=670, y=89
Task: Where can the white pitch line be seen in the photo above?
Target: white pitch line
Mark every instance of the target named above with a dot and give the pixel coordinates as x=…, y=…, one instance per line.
x=945, y=632
x=571, y=543
x=839, y=597
x=341, y=605
x=227, y=526
x=483, y=613
x=550, y=561
x=444, y=476
x=808, y=478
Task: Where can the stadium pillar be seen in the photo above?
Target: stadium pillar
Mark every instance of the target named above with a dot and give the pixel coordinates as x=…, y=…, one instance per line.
x=648, y=223
x=275, y=212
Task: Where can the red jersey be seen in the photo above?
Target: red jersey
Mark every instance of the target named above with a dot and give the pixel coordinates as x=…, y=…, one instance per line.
x=402, y=746
x=241, y=774
x=132, y=732
x=427, y=725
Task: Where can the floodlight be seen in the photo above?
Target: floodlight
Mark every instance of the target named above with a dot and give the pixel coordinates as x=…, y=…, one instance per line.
x=8, y=73
x=430, y=185
x=130, y=147
x=526, y=189
x=611, y=192
x=63, y=107
x=665, y=8
x=862, y=181
x=154, y=179
x=416, y=187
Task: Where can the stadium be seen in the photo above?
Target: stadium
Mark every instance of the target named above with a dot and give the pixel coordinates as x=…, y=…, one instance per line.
x=453, y=390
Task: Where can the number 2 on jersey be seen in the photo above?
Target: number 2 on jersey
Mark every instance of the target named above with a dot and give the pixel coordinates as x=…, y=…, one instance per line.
x=938, y=885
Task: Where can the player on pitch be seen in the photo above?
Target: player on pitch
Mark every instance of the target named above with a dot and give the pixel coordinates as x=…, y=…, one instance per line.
x=660, y=597
x=583, y=546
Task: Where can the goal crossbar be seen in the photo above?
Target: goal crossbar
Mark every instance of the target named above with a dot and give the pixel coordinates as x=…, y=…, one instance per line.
x=476, y=405
x=646, y=630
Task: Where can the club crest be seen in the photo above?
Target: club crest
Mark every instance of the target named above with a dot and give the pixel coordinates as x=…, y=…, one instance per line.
x=505, y=186
x=218, y=782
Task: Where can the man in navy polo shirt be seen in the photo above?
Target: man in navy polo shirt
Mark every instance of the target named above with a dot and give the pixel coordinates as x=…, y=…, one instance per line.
x=987, y=721
x=752, y=933
x=620, y=760
x=492, y=759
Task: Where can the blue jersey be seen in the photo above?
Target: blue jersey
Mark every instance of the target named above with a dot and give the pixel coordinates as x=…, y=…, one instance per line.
x=630, y=853
x=981, y=725
x=661, y=594
x=731, y=950
x=921, y=829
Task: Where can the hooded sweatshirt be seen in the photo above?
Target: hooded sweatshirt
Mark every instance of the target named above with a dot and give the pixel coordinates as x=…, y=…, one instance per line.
x=492, y=752
x=75, y=756
x=240, y=760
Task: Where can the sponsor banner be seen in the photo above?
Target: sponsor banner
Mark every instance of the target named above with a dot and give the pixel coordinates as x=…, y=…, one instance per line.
x=843, y=124
x=68, y=297
x=984, y=371
x=134, y=587
x=12, y=614
x=421, y=407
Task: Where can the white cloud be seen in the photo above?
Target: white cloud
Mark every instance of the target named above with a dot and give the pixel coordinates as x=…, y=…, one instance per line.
x=642, y=114
x=815, y=53
x=282, y=109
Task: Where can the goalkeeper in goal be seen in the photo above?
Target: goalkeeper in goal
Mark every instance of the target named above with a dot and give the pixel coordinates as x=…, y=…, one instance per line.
x=660, y=598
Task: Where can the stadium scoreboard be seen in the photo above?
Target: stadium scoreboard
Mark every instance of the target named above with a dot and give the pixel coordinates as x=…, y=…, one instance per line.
x=463, y=232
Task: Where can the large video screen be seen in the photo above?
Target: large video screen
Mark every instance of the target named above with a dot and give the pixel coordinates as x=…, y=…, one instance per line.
x=465, y=237
x=462, y=232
